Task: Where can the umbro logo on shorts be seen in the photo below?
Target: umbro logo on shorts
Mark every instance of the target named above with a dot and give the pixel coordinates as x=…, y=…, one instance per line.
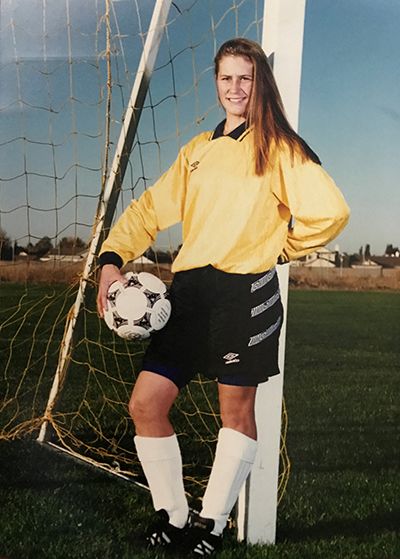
x=231, y=358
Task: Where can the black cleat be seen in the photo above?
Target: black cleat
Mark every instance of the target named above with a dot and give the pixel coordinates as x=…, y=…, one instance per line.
x=164, y=534
x=200, y=542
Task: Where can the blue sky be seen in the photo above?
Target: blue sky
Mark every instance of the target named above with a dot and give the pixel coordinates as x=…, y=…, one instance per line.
x=350, y=110
x=51, y=144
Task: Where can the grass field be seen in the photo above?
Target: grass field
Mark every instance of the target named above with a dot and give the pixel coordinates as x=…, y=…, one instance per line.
x=342, y=382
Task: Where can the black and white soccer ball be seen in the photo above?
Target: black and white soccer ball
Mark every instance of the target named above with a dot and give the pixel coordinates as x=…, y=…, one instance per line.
x=139, y=307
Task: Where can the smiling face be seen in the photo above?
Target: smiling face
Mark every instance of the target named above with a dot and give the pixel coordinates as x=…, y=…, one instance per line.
x=234, y=85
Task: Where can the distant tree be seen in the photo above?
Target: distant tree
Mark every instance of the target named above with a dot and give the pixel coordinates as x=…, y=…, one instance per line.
x=71, y=245
x=163, y=257
x=367, y=253
x=391, y=250
x=43, y=246
x=17, y=248
x=29, y=249
x=346, y=260
x=40, y=249
x=6, y=251
x=150, y=254
x=160, y=256
x=355, y=258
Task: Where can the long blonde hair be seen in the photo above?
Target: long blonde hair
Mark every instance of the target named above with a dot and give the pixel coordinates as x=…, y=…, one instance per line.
x=266, y=113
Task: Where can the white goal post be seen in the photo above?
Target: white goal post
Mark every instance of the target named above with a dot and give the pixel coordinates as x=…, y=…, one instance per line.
x=257, y=507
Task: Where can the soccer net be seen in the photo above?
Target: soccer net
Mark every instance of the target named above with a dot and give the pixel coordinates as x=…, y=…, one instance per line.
x=67, y=71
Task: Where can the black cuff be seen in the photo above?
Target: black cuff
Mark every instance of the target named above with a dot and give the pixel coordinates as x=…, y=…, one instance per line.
x=110, y=258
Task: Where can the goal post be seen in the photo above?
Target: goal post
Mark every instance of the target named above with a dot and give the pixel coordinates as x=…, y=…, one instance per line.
x=282, y=41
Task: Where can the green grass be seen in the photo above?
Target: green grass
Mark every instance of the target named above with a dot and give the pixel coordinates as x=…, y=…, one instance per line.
x=342, y=381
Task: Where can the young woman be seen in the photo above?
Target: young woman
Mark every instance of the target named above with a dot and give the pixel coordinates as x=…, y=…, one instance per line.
x=250, y=194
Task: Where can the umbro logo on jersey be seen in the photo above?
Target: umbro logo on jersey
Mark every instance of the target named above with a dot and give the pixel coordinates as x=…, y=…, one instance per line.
x=231, y=358
x=194, y=165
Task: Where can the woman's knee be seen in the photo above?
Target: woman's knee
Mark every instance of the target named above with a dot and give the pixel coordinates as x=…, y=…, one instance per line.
x=151, y=399
x=141, y=408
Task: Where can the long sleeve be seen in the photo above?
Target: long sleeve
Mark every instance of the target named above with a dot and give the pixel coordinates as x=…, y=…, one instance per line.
x=311, y=197
x=157, y=208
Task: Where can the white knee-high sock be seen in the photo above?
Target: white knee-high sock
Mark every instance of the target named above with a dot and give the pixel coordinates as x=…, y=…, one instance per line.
x=161, y=461
x=234, y=457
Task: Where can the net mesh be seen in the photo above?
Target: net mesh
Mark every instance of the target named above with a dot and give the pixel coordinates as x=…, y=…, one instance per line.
x=69, y=68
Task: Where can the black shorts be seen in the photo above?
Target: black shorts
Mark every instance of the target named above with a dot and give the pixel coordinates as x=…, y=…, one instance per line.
x=222, y=325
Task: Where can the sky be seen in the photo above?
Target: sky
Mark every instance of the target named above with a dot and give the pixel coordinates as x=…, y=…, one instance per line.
x=53, y=101
x=350, y=110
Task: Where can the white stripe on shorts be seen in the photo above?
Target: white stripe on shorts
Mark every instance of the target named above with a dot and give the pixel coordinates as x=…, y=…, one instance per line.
x=263, y=280
x=255, y=311
x=263, y=335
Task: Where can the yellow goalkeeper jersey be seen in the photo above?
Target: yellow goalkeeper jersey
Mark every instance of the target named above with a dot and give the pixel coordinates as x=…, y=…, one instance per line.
x=232, y=219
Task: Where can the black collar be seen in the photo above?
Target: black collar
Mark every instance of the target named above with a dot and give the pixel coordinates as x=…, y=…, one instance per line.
x=235, y=134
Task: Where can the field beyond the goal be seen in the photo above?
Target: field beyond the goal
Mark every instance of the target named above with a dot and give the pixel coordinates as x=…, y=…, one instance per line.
x=342, y=380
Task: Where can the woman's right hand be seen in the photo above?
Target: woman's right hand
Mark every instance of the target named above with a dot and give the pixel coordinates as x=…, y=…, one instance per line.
x=109, y=274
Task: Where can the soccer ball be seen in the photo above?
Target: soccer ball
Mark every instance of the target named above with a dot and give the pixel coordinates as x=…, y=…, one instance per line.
x=139, y=307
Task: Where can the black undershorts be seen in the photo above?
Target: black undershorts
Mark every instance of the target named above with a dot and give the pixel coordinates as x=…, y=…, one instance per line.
x=222, y=325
